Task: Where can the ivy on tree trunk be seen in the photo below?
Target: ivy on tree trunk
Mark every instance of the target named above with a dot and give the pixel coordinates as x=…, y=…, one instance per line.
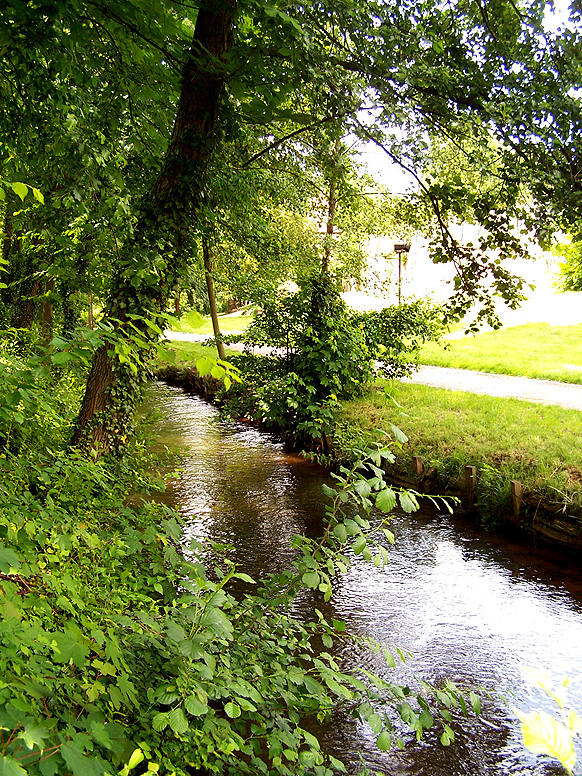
x=152, y=262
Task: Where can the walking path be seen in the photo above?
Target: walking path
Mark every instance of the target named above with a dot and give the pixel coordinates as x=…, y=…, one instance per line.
x=540, y=391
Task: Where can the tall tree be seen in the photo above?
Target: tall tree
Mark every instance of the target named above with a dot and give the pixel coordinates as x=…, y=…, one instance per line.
x=166, y=217
x=417, y=68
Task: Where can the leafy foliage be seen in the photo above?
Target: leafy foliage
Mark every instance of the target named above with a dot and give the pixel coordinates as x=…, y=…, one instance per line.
x=542, y=733
x=571, y=266
x=395, y=334
x=319, y=357
x=120, y=649
x=323, y=353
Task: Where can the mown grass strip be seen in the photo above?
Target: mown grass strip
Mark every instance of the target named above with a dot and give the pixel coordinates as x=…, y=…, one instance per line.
x=533, y=350
x=505, y=438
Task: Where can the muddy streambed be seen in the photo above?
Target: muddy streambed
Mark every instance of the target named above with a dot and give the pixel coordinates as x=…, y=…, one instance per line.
x=475, y=608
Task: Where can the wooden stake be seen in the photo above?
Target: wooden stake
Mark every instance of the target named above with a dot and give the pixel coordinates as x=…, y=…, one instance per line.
x=516, y=500
x=418, y=465
x=470, y=483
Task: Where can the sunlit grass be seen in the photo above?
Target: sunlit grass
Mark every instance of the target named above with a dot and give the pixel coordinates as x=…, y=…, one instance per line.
x=506, y=439
x=177, y=352
x=194, y=323
x=532, y=350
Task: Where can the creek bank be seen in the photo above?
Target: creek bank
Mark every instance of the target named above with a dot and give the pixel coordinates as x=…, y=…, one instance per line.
x=530, y=516
x=534, y=518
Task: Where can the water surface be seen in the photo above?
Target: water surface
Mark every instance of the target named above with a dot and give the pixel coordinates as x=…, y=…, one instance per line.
x=468, y=606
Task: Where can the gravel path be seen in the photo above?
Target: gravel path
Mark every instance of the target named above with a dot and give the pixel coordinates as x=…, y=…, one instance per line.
x=540, y=391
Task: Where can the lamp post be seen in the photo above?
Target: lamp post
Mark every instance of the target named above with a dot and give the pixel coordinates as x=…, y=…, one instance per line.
x=400, y=249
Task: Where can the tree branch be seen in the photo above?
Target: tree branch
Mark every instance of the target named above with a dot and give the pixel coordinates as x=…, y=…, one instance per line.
x=283, y=139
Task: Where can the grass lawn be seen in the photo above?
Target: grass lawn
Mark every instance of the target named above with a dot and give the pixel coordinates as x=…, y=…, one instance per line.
x=176, y=352
x=194, y=323
x=505, y=439
x=531, y=350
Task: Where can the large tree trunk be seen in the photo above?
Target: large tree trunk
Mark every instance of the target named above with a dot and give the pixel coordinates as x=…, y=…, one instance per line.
x=167, y=214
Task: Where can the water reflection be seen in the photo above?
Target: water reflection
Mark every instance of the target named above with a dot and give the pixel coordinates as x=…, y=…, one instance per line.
x=467, y=606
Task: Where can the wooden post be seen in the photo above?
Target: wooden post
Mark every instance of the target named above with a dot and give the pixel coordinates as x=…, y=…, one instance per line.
x=470, y=483
x=516, y=500
x=418, y=465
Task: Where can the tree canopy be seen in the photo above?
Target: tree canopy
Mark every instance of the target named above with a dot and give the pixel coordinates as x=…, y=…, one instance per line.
x=146, y=123
x=138, y=136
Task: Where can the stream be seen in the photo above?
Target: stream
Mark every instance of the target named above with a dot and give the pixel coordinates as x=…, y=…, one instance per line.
x=476, y=608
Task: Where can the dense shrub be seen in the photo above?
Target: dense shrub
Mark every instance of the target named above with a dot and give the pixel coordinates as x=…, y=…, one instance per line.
x=318, y=358
x=121, y=650
x=394, y=335
x=322, y=353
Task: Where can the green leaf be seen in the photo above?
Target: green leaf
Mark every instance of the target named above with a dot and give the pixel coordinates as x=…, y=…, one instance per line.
x=386, y=500
x=160, y=721
x=177, y=721
x=58, y=359
x=475, y=702
x=340, y=533
x=310, y=579
x=398, y=434
x=21, y=189
x=232, y=710
x=363, y=488
x=69, y=646
x=389, y=658
x=244, y=577
x=8, y=560
x=217, y=621
x=204, y=365
x=79, y=763
x=152, y=325
x=359, y=545
x=384, y=741
x=175, y=632
x=408, y=502
x=9, y=767
x=543, y=734
x=447, y=736
x=32, y=735
x=195, y=706
x=136, y=758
